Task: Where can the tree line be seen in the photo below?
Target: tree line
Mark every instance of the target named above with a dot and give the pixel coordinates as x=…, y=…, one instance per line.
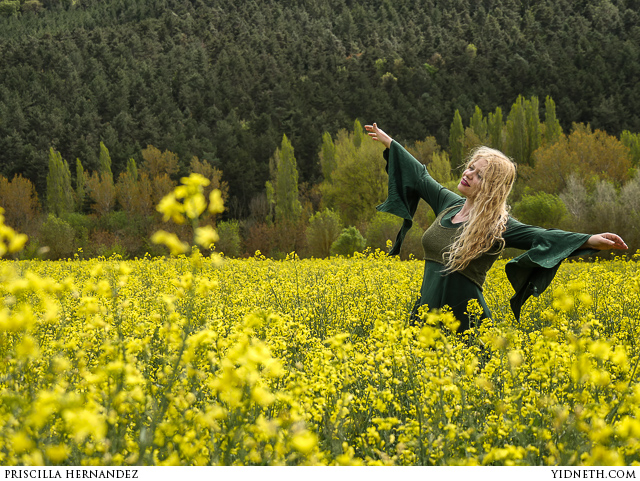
x=584, y=180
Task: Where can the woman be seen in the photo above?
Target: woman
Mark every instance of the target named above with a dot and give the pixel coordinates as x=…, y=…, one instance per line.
x=470, y=231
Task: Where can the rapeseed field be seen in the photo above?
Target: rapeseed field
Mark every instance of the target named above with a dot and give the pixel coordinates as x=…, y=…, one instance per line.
x=196, y=360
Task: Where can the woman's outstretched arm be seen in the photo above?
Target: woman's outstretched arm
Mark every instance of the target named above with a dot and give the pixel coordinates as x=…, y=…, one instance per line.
x=604, y=241
x=378, y=134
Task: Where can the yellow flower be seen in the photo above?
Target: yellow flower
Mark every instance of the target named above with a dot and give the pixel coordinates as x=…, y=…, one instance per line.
x=170, y=208
x=194, y=205
x=85, y=422
x=57, y=453
x=196, y=181
x=17, y=242
x=175, y=245
x=21, y=442
x=304, y=441
x=206, y=236
x=216, y=206
x=28, y=348
x=262, y=396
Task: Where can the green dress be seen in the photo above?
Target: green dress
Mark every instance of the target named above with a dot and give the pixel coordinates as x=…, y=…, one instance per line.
x=529, y=273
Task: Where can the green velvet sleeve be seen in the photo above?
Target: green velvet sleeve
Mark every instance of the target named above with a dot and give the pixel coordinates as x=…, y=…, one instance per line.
x=409, y=182
x=532, y=272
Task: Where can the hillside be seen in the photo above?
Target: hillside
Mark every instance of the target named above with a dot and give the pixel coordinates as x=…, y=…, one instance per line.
x=224, y=80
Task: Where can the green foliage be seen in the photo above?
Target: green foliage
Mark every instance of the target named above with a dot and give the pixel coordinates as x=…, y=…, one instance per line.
x=104, y=160
x=541, y=209
x=59, y=193
x=495, y=126
x=382, y=227
x=359, y=181
x=423, y=150
x=9, y=8
x=81, y=225
x=324, y=228
x=327, y=156
x=212, y=80
x=456, y=140
x=132, y=169
x=440, y=168
x=81, y=188
x=479, y=125
x=632, y=142
x=516, y=141
x=348, y=242
x=58, y=237
x=552, y=128
x=285, y=184
x=230, y=240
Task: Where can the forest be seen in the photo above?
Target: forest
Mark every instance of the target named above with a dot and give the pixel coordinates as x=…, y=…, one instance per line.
x=104, y=106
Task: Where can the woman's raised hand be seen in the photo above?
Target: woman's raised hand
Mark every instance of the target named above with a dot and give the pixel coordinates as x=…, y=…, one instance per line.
x=606, y=241
x=378, y=134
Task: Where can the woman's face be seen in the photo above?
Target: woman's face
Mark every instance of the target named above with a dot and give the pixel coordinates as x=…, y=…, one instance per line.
x=471, y=179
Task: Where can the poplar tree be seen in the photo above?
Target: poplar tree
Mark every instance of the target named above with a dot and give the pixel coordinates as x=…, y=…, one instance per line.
x=534, y=135
x=494, y=126
x=632, y=142
x=59, y=192
x=327, y=156
x=523, y=130
x=479, y=125
x=104, y=162
x=101, y=186
x=516, y=142
x=552, y=129
x=440, y=167
x=456, y=140
x=132, y=169
x=285, y=185
x=80, y=185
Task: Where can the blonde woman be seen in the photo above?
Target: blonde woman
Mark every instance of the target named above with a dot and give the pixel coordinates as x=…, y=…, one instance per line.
x=471, y=230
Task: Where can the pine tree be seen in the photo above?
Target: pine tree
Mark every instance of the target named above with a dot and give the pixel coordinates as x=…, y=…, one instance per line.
x=59, y=193
x=456, y=140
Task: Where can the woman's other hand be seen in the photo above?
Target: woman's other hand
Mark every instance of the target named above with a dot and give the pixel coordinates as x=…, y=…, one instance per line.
x=378, y=134
x=605, y=241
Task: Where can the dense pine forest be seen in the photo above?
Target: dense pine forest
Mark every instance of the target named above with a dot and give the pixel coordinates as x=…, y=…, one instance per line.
x=112, y=93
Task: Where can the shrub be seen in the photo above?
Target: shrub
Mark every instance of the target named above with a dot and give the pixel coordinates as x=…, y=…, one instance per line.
x=59, y=236
x=349, y=241
x=324, y=228
x=383, y=227
x=541, y=209
x=412, y=244
x=229, y=242
x=82, y=225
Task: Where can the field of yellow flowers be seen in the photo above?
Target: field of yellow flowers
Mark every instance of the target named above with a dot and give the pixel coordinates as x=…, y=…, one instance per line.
x=198, y=360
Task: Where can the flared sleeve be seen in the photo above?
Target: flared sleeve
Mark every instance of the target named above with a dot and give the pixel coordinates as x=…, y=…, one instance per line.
x=532, y=272
x=409, y=181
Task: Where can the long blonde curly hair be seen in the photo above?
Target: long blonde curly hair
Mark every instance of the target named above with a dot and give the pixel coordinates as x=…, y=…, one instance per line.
x=489, y=214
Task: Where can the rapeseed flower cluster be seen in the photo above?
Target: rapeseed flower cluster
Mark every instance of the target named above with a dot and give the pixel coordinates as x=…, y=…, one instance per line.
x=186, y=360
